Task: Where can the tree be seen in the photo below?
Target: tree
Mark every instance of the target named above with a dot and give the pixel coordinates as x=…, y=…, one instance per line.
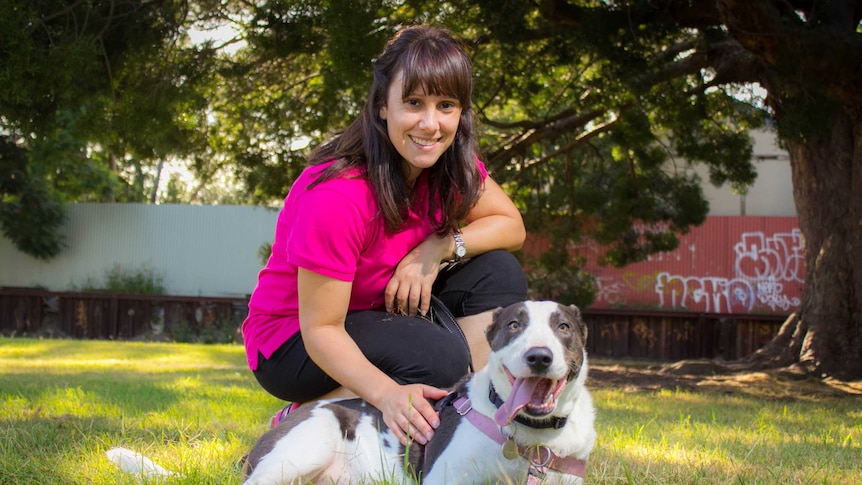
x=806, y=55
x=590, y=112
x=588, y=109
x=93, y=97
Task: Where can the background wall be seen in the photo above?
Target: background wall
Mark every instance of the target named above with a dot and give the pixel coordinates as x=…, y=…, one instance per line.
x=772, y=192
x=200, y=250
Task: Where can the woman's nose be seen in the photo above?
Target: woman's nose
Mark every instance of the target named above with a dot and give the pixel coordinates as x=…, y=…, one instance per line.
x=429, y=121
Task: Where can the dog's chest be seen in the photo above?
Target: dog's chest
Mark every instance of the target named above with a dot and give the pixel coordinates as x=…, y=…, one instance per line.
x=469, y=455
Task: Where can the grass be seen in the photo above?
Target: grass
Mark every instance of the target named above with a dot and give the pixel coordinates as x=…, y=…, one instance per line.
x=196, y=410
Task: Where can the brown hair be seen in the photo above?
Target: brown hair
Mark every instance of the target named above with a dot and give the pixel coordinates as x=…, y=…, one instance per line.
x=432, y=59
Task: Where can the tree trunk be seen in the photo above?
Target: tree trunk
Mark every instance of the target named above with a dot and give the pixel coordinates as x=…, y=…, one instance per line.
x=825, y=338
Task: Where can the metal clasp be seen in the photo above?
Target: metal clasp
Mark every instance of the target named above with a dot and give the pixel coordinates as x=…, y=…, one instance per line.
x=464, y=407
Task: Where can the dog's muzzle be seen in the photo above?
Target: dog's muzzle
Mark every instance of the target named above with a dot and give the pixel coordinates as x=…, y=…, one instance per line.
x=537, y=396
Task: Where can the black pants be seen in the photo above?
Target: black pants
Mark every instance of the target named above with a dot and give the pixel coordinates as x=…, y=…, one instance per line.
x=408, y=349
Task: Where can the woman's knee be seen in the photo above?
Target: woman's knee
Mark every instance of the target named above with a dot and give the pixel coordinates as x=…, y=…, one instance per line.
x=447, y=366
x=487, y=281
x=505, y=272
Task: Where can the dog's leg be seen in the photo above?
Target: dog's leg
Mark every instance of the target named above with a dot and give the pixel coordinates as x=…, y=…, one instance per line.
x=474, y=327
x=298, y=456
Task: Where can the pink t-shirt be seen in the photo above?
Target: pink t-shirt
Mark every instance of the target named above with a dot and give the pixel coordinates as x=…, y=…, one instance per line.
x=334, y=229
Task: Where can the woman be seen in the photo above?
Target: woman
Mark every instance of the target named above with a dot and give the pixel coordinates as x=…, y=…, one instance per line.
x=361, y=239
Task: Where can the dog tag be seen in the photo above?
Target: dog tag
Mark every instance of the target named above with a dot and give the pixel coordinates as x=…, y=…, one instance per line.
x=510, y=449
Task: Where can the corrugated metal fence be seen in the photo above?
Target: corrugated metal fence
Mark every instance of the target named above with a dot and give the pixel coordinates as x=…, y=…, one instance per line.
x=662, y=336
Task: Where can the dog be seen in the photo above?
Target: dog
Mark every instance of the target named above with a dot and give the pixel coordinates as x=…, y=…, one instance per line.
x=527, y=417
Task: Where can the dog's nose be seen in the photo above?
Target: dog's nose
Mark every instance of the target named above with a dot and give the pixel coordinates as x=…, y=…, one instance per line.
x=539, y=359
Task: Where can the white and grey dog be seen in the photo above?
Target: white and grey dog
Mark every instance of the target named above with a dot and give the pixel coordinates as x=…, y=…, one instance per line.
x=527, y=417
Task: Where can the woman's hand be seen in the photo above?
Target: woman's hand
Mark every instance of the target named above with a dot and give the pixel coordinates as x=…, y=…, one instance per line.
x=409, y=290
x=408, y=413
x=322, y=306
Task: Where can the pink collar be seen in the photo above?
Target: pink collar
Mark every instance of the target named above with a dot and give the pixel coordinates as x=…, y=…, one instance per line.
x=541, y=457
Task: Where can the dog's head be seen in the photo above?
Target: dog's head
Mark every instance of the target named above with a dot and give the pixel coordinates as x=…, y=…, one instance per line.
x=538, y=353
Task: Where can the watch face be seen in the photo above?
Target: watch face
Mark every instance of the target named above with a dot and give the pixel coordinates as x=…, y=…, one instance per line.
x=460, y=251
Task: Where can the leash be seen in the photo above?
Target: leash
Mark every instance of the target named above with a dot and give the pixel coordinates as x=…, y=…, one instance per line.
x=440, y=314
x=541, y=457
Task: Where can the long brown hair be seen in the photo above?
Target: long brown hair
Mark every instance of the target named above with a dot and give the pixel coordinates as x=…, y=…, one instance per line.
x=432, y=59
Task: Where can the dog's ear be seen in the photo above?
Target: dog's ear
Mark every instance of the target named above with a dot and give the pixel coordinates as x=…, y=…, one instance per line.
x=491, y=330
x=582, y=326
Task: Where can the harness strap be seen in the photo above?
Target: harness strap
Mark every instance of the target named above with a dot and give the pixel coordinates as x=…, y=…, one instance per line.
x=541, y=457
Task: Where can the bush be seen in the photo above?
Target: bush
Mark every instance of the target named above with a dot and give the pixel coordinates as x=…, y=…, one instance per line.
x=133, y=281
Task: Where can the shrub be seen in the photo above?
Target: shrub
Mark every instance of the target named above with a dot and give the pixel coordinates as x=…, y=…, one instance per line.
x=134, y=281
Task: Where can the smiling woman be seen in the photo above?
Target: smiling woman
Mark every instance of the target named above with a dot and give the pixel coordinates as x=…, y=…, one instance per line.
x=363, y=238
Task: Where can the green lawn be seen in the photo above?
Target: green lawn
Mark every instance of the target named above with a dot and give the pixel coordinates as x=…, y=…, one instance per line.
x=196, y=410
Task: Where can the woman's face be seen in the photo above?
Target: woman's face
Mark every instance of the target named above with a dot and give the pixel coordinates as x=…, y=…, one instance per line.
x=421, y=126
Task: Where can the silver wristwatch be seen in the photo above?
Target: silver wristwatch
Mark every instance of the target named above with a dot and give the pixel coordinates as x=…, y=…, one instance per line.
x=460, y=247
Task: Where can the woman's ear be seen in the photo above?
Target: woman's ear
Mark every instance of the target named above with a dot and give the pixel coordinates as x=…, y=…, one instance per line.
x=383, y=112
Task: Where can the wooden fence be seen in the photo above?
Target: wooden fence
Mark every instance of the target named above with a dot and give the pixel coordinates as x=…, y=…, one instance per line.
x=38, y=313
x=660, y=336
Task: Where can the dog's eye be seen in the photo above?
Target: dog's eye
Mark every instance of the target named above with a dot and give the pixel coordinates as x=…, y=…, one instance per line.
x=514, y=325
x=564, y=327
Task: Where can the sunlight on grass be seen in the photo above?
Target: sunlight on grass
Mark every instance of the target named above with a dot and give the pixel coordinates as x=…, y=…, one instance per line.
x=682, y=437
x=197, y=410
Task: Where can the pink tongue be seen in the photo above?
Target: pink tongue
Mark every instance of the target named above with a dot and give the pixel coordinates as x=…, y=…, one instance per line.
x=522, y=392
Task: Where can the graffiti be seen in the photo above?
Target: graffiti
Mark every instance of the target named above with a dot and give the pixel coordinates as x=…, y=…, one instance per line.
x=762, y=265
x=609, y=291
x=778, y=257
x=771, y=294
x=674, y=255
x=644, y=335
x=638, y=282
x=612, y=292
x=729, y=265
x=706, y=294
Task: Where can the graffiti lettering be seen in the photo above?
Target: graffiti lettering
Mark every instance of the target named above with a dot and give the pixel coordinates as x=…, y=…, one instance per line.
x=762, y=264
x=778, y=257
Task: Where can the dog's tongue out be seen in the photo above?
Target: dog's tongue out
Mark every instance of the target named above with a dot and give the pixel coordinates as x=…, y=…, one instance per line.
x=522, y=394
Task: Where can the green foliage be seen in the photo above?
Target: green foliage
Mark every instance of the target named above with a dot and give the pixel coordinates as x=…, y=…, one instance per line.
x=556, y=277
x=590, y=113
x=96, y=95
x=264, y=252
x=31, y=213
x=144, y=280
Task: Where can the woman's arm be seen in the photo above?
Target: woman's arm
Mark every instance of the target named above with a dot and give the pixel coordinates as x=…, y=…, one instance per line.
x=493, y=223
x=323, y=303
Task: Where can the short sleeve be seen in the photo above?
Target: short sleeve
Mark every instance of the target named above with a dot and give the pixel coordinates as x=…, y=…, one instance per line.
x=328, y=233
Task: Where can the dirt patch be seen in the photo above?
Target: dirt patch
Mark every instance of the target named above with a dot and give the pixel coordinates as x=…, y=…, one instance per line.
x=712, y=376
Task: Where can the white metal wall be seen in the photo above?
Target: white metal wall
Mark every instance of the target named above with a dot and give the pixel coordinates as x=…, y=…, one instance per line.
x=200, y=250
